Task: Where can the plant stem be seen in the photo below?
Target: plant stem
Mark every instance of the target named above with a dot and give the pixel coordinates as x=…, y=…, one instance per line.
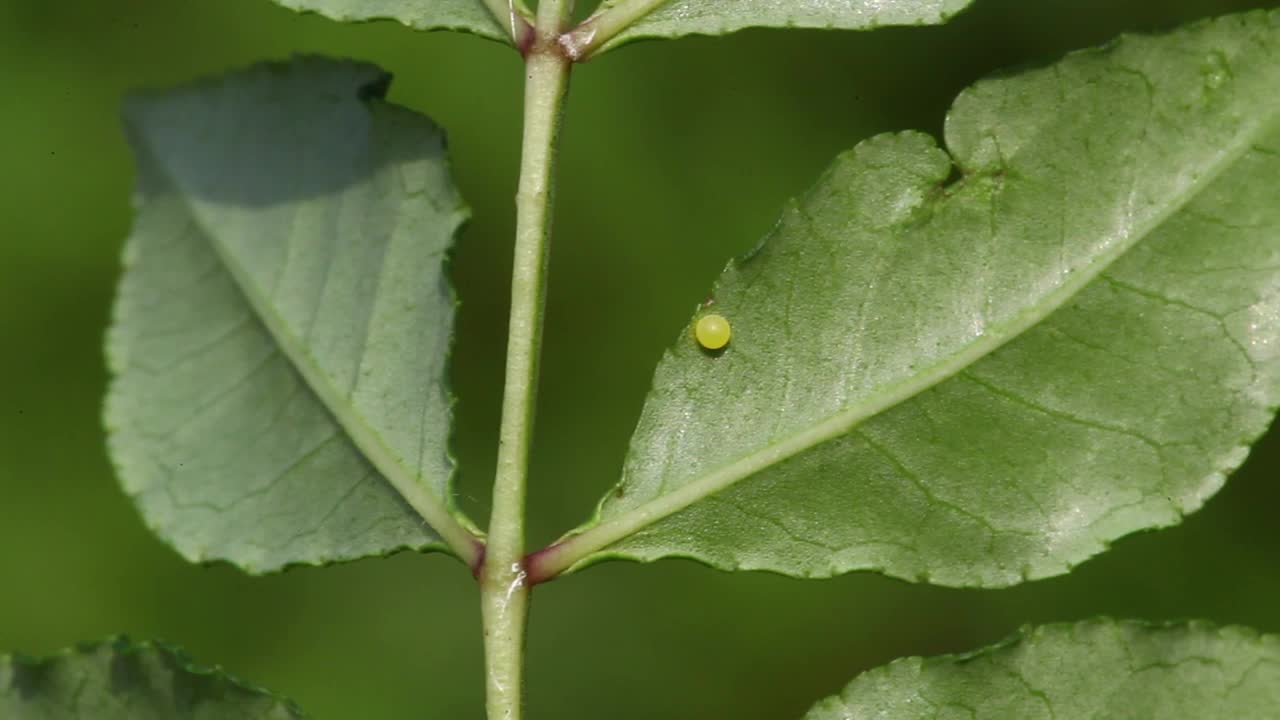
x=504, y=591
x=603, y=25
x=512, y=16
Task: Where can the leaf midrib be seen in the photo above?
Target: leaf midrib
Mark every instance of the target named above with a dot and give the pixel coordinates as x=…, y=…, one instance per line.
x=462, y=542
x=582, y=546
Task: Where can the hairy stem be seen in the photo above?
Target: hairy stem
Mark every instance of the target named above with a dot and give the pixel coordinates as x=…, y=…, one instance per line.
x=504, y=590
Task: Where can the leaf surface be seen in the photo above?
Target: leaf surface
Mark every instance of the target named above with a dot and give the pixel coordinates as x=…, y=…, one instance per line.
x=470, y=16
x=283, y=327
x=676, y=18
x=1095, y=670
x=120, y=680
x=982, y=379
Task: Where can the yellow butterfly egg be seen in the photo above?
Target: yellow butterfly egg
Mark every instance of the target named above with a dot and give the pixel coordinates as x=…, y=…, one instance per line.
x=712, y=331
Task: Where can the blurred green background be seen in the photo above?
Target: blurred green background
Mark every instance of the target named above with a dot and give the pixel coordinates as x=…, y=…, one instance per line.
x=677, y=156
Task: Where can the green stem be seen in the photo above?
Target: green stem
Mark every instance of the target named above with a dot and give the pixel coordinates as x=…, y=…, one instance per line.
x=513, y=16
x=503, y=586
x=601, y=27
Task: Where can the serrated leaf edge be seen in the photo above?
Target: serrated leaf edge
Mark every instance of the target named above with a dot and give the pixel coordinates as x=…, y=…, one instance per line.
x=589, y=543
x=461, y=537
x=122, y=645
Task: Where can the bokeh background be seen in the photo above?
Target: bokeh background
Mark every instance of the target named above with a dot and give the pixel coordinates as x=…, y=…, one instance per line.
x=677, y=156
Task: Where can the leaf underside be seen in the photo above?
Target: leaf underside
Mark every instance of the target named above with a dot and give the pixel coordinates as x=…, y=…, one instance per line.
x=1093, y=670
x=987, y=380
x=285, y=273
x=674, y=18
x=677, y=18
x=470, y=16
x=120, y=680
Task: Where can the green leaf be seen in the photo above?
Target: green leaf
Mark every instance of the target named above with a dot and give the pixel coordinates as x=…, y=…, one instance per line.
x=982, y=368
x=283, y=327
x=120, y=680
x=676, y=18
x=470, y=16
x=1085, y=671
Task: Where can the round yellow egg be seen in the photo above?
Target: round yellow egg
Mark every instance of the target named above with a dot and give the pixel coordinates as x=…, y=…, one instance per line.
x=712, y=331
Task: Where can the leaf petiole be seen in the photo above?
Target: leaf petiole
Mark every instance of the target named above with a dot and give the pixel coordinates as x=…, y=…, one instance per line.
x=603, y=26
x=514, y=17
